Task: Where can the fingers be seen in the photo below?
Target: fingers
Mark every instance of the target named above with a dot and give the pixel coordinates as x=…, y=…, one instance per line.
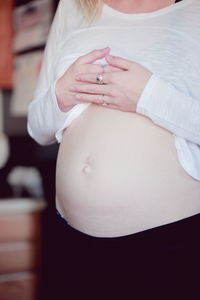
x=118, y=62
x=90, y=68
x=97, y=99
x=102, y=100
x=97, y=68
x=93, y=55
x=92, y=89
x=109, y=68
x=92, y=78
x=88, y=73
x=108, y=78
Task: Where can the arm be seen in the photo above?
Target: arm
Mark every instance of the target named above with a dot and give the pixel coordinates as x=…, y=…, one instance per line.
x=44, y=115
x=54, y=106
x=136, y=89
x=171, y=109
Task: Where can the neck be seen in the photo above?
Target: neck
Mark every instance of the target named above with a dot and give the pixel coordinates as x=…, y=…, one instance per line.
x=138, y=6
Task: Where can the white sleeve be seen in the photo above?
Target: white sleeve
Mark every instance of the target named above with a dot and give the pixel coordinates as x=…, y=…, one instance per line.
x=44, y=115
x=171, y=109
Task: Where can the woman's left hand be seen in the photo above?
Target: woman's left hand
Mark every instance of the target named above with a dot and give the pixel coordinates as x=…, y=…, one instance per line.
x=121, y=88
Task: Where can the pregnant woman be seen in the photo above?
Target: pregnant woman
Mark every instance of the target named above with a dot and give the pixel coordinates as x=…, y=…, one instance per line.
x=119, y=89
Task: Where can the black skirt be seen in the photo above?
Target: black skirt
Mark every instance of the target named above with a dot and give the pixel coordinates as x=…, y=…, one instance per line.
x=159, y=263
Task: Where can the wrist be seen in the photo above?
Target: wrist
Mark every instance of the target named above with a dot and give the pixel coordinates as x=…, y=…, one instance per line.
x=147, y=76
x=58, y=93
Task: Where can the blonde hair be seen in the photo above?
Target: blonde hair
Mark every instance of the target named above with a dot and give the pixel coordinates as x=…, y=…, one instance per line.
x=92, y=8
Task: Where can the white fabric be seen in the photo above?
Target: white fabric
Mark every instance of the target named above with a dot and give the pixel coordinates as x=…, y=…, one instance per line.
x=166, y=41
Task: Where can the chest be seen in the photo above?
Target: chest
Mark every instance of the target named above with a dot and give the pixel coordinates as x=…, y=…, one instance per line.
x=164, y=51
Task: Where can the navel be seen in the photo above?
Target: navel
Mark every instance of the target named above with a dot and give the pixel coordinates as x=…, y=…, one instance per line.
x=88, y=165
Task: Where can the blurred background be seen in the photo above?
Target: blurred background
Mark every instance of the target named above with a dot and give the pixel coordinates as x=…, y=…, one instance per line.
x=27, y=170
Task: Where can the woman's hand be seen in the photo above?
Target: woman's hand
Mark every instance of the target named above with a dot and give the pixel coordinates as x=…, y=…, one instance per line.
x=84, y=64
x=120, y=89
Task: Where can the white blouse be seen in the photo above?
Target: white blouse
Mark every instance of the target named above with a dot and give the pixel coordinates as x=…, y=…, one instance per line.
x=166, y=41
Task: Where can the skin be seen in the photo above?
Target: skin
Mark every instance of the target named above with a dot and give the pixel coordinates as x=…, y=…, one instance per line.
x=123, y=80
x=138, y=6
x=121, y=89
x=84, y=64
x=98, y=151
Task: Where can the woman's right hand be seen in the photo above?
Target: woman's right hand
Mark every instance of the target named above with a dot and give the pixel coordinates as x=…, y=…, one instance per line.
x=84, y=64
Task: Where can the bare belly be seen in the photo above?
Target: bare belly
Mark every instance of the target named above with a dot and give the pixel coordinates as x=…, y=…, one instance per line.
x=118, y=173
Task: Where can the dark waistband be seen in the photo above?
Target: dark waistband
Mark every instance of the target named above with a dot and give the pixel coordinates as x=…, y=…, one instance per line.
x=185, y=229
